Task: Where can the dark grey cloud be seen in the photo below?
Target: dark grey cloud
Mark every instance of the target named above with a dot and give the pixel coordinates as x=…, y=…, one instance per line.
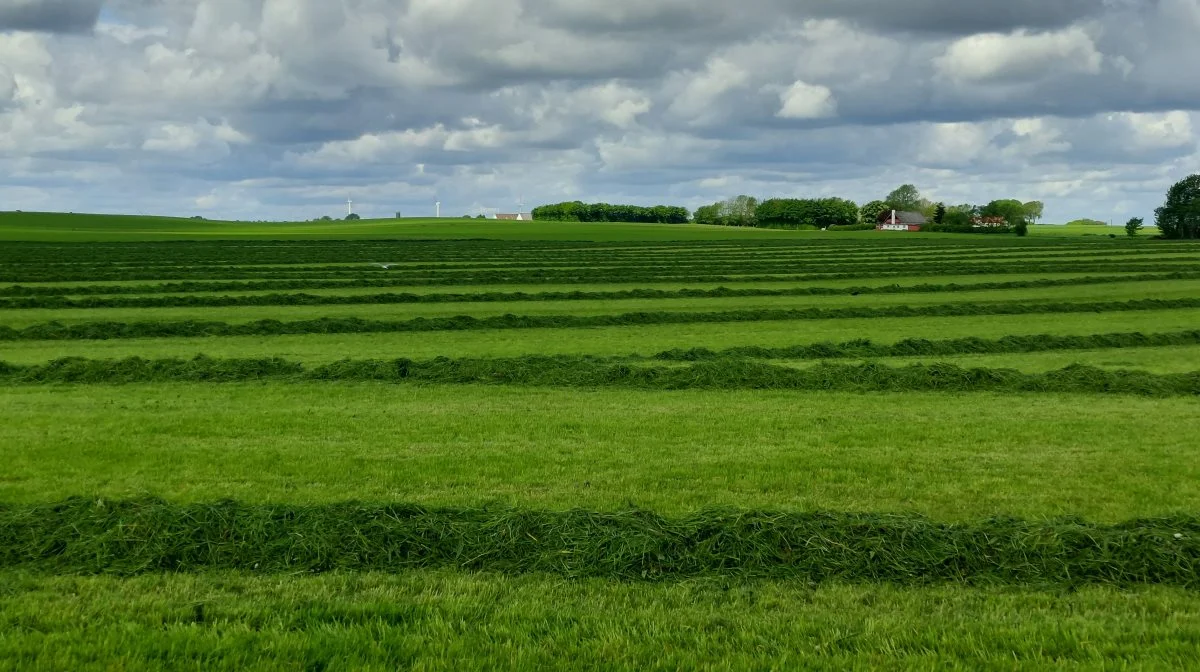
x=49, y=16
x=269, y=107
x=954, y=17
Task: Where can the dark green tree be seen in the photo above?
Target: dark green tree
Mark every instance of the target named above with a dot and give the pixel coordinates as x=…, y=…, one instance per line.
x=795, y=213
x=1179, y=217
x=869, y=213
x=939, y=214
x=1012, y=210
x=708, y=214
x=352, y=217
x=1034, y=210
x=906, y=197
x=1133, y=226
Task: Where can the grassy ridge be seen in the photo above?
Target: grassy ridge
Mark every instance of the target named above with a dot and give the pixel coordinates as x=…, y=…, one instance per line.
x=581, y=372
x=64, y=302
x=597, y=261
x=610, y=269
x=615, y=341
x=125, y=288
x=702, y=273
x=912, y=347
x=161, y=329
x=88, y=536
x=54, y=226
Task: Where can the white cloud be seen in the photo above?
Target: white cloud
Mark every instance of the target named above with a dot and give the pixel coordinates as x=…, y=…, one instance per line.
x=200, y=140
x=400, y=146
x=807, y=101
x=645, y=150
x=702, y=90
x=1171, y=129
x=956, y=144
x=127, y=34
x=1021, y=55
x=1036, y=136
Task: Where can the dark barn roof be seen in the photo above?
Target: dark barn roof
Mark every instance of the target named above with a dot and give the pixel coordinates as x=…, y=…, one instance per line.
x=903, y=217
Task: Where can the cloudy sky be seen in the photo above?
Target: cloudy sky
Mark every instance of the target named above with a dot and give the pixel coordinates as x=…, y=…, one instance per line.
x=274, y=109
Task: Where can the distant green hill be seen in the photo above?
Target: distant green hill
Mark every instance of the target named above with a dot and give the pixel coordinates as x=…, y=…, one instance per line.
x=39, y=226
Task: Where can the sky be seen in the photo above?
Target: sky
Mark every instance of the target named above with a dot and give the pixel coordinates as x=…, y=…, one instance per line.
x=284, y=109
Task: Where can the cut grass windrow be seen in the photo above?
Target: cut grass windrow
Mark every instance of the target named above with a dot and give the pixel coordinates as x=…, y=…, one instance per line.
x=631, y=273
x=335, y=251
x=917, y=347
x=210, y=301
x=605, y=260
x=131, y=537
x=579, y=371
x=384, y=282
x=192, y=328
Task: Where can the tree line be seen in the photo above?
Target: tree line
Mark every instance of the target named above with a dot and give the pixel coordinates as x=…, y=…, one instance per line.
x=577, y=211
x=1179, y=217
x=1000, y=216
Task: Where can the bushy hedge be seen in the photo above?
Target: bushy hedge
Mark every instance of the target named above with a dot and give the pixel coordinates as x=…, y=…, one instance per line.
x=576, y=211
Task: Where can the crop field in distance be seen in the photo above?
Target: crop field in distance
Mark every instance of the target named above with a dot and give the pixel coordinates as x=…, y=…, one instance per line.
x=458, y=444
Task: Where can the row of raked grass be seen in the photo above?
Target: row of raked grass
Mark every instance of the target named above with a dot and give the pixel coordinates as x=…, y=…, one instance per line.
x=577, y=274
x=372, y=285
x=81, y=329
x=1149, y=284
x=613, y=341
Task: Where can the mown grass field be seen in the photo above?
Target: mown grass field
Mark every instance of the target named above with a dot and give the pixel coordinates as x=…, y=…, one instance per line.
x=249, y=446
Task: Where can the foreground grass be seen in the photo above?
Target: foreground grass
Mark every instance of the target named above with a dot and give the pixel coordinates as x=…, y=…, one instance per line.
x=452, y=620
x=1106, y=459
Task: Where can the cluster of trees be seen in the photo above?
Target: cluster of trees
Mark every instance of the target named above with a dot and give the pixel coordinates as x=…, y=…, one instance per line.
x=1179, y=217
x=780, y=213
x=739, y=211
x=576, y=211
x=803, y=213
x=349, y=218
x=1001, y=216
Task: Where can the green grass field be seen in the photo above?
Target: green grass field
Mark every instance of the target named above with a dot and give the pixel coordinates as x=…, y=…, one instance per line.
x=978, y=456
x=72, y=228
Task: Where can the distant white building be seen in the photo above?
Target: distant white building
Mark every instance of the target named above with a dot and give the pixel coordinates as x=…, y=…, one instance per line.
x=515, y=216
